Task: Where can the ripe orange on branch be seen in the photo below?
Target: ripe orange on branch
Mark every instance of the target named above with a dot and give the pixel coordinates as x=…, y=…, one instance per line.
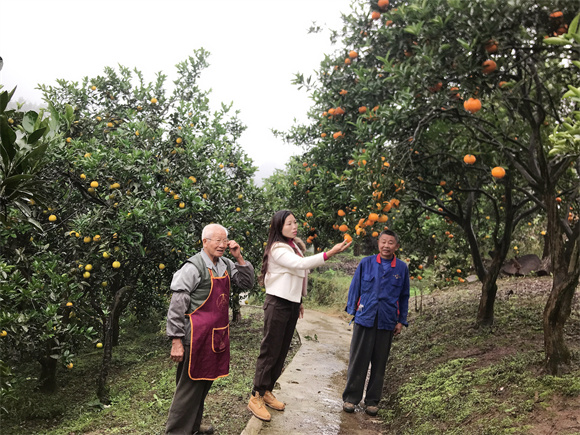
x=376, y=15
x=343, y=228
x=341, y=213
x=472, y=105
x=469, y=159
x=498, y=172
x=491, y=46
x=489, y=66
x=383, y=4
x=353, y=54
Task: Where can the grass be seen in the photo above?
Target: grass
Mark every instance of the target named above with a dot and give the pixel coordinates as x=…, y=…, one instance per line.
x=444, y=376
x=142, y=384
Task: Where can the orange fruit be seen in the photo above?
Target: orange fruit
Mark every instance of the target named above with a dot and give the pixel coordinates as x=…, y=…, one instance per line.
x=556, y=14
x=498, y=172
x=489, y=66
x=362, y=109
x=558, y=200
x=309, y=215
x=343, y=92
x=383, y=4
x=348, y=238
x=376, y=15
x=341, y=213
x=347, y=61
x=343, y=228
x=472, y=105
x=353, y=54
x=469, y=159
x=337, y=135
x=323, y=135
x=154, y=100
x=491, y=46
x=373, y=217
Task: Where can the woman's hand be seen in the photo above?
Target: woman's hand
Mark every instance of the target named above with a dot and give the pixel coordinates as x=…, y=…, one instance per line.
x=338, y=248
x=301, y=312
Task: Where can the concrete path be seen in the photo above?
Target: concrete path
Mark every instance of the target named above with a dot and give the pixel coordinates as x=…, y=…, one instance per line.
x=312, y=385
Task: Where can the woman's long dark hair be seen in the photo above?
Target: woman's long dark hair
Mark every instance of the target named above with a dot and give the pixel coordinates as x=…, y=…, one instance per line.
x=275, y=235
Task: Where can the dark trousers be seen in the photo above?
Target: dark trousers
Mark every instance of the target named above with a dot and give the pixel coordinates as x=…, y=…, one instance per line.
x=186, y=408
x=280, y=317
x=368, y=346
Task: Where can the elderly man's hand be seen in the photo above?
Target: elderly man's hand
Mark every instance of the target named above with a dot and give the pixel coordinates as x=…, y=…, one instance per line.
x=236, y=251
x=177, y=350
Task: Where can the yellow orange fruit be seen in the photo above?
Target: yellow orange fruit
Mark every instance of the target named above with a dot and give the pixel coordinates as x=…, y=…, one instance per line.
x=94, y=184
x=116, y=264
x=153, y=100
x=52, y=218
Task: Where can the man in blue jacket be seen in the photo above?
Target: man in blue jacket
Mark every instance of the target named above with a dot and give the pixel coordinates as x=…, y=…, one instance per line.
x=378, y=299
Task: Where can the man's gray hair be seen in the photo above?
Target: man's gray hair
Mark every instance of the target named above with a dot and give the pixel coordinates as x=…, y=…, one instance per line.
x=208, y=230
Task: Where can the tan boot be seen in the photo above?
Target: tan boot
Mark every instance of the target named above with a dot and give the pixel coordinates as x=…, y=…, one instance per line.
x=272, y=402
x=258, y=408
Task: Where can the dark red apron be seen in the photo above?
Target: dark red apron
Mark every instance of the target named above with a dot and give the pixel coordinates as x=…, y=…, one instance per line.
x=209, y=356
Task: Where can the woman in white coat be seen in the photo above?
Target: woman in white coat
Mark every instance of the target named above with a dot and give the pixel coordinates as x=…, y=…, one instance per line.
x=284, y=275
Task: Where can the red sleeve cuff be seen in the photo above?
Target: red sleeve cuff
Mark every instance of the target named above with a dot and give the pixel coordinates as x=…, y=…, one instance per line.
x=325, y=256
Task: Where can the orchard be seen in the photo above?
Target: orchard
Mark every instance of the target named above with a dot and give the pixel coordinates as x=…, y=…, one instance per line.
x=453, y=123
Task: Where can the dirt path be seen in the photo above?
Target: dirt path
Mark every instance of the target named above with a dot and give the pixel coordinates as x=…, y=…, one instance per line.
x=312, y=384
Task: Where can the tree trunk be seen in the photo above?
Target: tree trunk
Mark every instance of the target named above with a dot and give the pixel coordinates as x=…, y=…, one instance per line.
x=47, y=381
x=117, y=305
x=487, y=302
x=102, y=387
x=566, y=270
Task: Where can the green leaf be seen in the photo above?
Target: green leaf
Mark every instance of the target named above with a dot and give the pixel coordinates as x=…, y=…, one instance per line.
x=554, y=40
x=5, y=98
x=33, y=138
x=29, y=121
x=8, y=138
x=574, y=25
x=464, y=43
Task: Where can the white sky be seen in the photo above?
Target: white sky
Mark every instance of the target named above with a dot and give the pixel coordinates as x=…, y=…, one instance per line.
x=256, y=48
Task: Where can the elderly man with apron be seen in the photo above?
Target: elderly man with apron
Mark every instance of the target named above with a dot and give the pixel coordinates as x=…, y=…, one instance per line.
x=198, y=324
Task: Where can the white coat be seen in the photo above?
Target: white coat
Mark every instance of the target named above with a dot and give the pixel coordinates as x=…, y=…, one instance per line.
x=287, y=272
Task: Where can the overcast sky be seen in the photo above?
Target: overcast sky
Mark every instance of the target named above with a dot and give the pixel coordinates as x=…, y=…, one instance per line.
x=256, y=48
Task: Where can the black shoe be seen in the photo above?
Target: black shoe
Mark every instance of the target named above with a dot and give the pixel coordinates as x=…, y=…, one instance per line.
x=205, y=429
x=348, y=407
x=372, y=410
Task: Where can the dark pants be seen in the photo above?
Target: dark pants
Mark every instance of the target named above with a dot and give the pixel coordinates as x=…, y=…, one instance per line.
x=187, y=406
x=368, y=346
x=280, y=317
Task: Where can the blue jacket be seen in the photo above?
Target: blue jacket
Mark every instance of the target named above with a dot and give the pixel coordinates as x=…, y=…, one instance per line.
x=380, y=291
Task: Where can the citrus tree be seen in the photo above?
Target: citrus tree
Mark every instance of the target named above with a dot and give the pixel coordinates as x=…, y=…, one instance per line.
x=564, y=213
x=36, y=322
x=139, y=172
x=453, y=103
